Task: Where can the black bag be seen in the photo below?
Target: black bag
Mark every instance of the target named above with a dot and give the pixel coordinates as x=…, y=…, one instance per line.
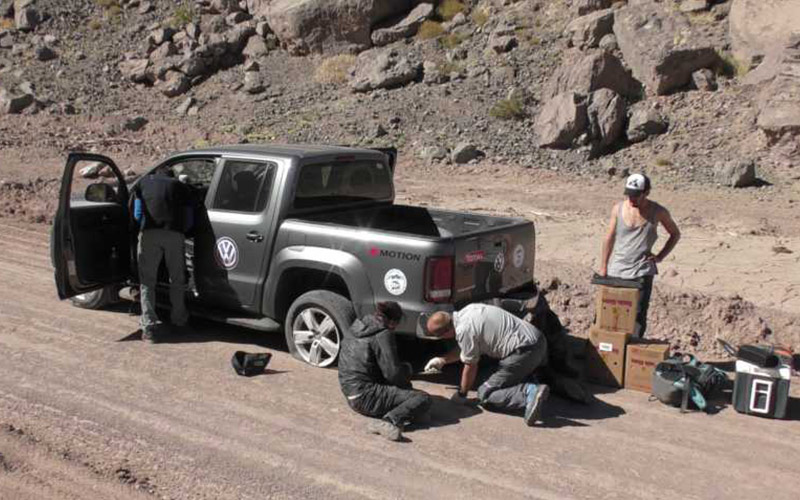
x=248, y=364
x=682, y=378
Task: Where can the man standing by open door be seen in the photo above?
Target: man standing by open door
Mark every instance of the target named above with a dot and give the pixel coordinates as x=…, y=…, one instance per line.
x=162, y=207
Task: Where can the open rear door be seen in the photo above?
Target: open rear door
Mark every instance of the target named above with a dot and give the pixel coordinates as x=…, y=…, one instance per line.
x=91, y=235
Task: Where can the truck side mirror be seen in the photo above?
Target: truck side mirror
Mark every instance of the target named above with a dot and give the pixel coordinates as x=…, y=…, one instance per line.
x=100, y=193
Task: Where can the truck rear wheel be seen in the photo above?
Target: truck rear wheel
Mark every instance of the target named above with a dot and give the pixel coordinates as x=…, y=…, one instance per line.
x=315, y=326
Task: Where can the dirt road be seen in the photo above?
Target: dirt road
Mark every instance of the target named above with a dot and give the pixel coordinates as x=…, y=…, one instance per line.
x=88, y=411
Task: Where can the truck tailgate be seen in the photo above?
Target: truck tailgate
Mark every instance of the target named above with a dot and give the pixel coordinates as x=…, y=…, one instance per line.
x=493, y=258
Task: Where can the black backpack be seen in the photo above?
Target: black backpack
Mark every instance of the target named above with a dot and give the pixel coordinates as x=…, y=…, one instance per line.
x=682, y=378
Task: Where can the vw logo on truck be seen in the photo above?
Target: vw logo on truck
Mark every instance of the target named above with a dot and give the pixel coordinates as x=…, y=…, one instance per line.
x=227, y=253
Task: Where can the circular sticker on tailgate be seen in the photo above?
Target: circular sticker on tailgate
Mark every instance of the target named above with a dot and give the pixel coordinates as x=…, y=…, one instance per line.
x=500, y=262
x=395, y=281
x=519, y=255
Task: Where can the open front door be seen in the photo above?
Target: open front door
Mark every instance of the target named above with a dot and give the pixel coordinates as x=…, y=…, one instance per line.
x=91, y=239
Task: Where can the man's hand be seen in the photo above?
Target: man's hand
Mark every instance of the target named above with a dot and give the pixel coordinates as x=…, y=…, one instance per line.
x=459, y=398
x=654, y=258
x=435, y=365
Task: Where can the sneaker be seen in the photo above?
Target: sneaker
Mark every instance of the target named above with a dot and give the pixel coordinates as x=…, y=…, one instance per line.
x=149, y=335
x=537, y=395
x=386, y=429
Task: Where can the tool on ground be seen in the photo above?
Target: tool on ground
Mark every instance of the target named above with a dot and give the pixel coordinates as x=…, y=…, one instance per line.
x=248, y=364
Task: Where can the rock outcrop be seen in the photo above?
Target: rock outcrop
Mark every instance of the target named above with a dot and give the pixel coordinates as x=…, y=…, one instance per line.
x=329, y=26
x=661, y=47
x=587, y=31
x=779, y=101
x=757, y=26
x=591, y=72
x=404, y=28
x=561, y=121
x=376, y=69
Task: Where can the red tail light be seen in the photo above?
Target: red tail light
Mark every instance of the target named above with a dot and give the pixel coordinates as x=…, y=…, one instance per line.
x=439, y=279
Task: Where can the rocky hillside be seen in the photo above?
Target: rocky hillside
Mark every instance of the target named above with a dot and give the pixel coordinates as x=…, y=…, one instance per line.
x=691, y=90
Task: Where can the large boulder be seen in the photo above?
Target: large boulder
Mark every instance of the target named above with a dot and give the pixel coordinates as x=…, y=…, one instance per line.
x=592, y=72
x=779, y=101
x=756, y=26
x=587, y=31
x=644, y=122
x=13, y=103
x=561, y=121
x=329, y=26
x=26, y=17
x=383, y=70
x=661, y=47
x=583, y=7
x=736, y=174
x=606, y=113
x=406, y=27
x=135, y=70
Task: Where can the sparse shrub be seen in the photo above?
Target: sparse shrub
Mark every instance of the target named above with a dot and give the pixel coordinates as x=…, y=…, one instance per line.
x=449, y=67
x=334, y=69
x=107, y=3
x=480, y=16
x=430, y=30
x=452, y=40
x=183, y=15
x=6, y=24
x=508, y=109
x=200, y=144
x=448, y=9
x=731, y=67
x=663, y=162
x=95, y=24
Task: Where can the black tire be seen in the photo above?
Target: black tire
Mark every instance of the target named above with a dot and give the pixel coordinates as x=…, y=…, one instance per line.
x=316, y=306
x=96, y=299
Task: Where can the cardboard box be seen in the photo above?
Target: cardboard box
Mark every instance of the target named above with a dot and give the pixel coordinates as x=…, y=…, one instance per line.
x=640, y=361
x=616, y=308
x=605, y=356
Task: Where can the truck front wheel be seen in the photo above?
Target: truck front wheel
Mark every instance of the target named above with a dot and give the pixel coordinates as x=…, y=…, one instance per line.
x=315, y=326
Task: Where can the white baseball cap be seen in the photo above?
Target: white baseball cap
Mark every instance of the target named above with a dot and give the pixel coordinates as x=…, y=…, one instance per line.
x=636, y=184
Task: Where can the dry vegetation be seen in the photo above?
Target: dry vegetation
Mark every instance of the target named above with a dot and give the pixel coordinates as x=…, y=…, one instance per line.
x=334, y=69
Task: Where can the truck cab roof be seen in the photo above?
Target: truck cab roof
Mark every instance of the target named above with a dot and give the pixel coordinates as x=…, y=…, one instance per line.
x=293, y=151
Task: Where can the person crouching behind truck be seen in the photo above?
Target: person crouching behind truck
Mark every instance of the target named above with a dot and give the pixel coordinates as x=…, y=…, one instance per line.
x=485, y=330
x=372, y=377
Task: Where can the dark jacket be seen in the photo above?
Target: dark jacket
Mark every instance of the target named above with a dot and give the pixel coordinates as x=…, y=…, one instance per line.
x=166, y=203
x=369, y=356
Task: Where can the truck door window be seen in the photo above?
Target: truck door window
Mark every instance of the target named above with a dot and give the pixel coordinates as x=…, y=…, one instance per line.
x=244, y=186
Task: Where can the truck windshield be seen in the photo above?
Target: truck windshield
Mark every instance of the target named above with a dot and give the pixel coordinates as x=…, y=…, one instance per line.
x=335, y=183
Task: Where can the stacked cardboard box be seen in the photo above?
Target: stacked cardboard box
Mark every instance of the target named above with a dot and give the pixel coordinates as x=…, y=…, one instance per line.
x=615, y=322
x=640, y=361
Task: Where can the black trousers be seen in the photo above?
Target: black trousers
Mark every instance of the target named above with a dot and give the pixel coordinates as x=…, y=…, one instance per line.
x=644, y=304
x=399, y=406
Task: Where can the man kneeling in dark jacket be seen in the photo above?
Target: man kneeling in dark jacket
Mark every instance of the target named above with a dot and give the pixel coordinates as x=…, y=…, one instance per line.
x=373, y=379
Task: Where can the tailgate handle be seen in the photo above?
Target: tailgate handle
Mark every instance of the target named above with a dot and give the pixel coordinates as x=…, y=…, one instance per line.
x=255, y=236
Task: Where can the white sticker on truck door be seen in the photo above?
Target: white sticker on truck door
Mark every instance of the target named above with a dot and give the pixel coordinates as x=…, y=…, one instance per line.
x=395, y=281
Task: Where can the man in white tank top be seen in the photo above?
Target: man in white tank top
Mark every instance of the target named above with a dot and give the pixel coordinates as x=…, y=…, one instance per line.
x=628, y=245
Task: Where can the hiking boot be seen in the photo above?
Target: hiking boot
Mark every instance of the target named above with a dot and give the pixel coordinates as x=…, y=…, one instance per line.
x=386, y=429
x=537, y=395
x=149, y=335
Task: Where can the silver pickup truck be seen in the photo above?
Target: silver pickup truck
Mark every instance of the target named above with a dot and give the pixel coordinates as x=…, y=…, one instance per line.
x=298, y=237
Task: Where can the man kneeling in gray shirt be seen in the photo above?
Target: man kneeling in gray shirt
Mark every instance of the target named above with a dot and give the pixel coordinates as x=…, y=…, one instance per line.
x=488, y=330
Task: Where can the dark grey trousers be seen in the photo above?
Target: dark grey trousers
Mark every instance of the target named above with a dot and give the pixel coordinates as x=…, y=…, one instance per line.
x=399, y=406
x=505, y=389
x=644, y=304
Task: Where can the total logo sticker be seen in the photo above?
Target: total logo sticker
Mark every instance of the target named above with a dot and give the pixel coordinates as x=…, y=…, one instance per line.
x=519, y=256
x=226, y=252
x=395, y=281
x=500, y=262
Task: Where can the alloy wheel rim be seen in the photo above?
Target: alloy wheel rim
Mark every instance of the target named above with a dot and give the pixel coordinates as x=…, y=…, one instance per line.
x=316, y=337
